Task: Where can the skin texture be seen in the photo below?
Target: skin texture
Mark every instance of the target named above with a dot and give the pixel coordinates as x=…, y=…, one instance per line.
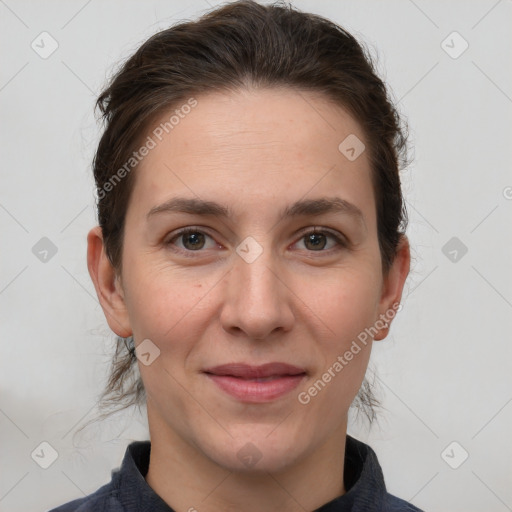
x=255, y=152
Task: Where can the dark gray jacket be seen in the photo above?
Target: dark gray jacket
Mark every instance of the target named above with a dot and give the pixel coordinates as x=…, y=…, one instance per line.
x=129, y=492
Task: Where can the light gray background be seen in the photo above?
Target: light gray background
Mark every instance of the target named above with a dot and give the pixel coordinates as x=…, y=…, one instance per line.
x=444, y=372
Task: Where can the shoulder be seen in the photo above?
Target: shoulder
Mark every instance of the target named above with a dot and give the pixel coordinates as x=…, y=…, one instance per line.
x=125, y=490
x=105, y=499
x=395, y=504
x=365, y=481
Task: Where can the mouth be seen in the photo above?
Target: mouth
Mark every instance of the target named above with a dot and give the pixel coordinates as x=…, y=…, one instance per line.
x=256, y=384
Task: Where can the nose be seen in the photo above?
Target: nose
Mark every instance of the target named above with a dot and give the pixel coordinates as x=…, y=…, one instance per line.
x=258, y=300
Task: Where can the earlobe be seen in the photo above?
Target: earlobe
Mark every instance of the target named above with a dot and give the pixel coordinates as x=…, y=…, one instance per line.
x=393, y=286
x=108, y=286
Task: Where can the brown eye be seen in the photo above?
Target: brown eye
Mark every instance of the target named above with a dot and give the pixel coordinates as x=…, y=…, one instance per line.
x=318, y=241
x=192, y=240
x=315, y=241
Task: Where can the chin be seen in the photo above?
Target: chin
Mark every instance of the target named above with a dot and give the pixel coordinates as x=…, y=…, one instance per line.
x=253, y=450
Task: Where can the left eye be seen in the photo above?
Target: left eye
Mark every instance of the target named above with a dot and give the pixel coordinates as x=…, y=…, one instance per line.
x=193, y=240
x=317, y=240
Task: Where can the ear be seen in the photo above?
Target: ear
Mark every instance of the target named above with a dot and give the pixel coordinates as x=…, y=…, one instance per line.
x=392, y=287
x=108, y=285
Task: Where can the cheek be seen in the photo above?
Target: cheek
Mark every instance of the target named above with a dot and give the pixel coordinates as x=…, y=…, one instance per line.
x=348, y=303
x=165, y=308
x=159, y=299
x=348, y=309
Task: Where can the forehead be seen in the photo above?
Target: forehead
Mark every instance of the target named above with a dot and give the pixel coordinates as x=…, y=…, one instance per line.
x=251, y=147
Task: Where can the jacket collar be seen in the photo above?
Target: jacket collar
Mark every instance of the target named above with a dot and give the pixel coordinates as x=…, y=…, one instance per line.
x=363, y=478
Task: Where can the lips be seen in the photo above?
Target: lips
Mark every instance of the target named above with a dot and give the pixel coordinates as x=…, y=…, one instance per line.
x=265, y=371
x=256, y=384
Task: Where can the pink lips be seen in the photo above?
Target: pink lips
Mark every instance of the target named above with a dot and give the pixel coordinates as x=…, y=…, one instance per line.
x=256, y=384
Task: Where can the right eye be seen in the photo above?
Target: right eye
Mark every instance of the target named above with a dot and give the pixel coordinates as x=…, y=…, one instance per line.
x=192, y=240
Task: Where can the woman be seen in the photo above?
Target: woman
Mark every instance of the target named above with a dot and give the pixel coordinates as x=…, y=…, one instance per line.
x=250, y=248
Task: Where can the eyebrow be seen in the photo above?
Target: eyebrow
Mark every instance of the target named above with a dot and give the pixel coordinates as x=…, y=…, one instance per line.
x=311, y=207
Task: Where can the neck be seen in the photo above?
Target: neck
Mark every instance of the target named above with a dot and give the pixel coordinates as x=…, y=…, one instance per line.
x=188, y=481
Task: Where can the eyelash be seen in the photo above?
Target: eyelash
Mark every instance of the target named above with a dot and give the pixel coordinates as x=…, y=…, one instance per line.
x=340, y=241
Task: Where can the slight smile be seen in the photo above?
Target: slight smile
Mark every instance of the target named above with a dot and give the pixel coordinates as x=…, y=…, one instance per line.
x=256, y=384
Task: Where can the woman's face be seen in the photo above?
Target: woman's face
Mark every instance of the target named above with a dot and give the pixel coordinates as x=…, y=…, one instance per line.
x=250, y=284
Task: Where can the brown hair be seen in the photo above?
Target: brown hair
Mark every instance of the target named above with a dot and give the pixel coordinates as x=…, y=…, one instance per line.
x=239, y=45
